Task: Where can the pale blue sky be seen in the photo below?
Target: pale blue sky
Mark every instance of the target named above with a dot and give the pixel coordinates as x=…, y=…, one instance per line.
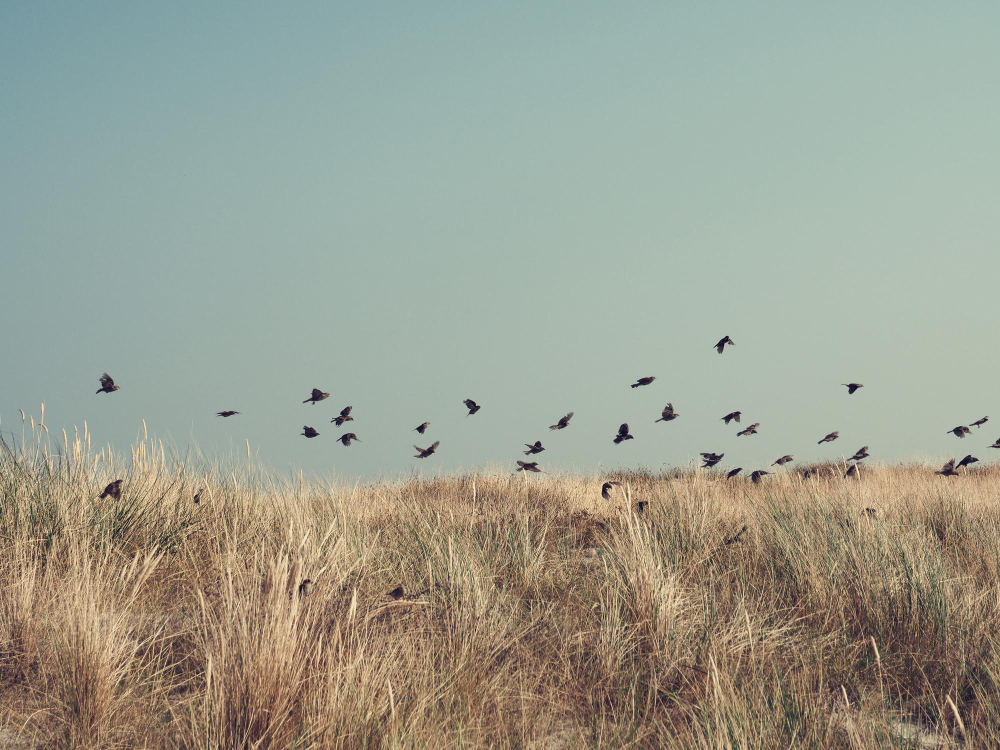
x=226, y=205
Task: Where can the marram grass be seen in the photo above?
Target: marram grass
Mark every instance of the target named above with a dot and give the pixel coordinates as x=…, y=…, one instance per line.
x=492, y=610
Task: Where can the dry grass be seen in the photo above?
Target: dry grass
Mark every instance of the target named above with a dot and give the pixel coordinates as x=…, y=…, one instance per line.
x=533, y=614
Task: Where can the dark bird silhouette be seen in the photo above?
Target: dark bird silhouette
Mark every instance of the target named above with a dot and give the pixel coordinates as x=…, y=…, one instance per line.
x=734, y=472
x=995, y=445
x=344, y=416
x=722, y=344
x=756, y=476
x=533, y=449
x=668, y=414
x=563, y=423
x=347, y=437
x=197, y=496
x=397, y=593
x=108, y=385
x=830, y=438
x=960, y=431
x=528, y=466
x=852, y=387
x=113, y=490
x=968, y=460
x=622, y=434
x=948, y=470
x=304, y=586
x=712, y=456
x=710, y=463
x=227, y=413
x=751, y=430
x=862, y=452
x=309, y=432
x=640, y=507
x=422, y=428
x=854, y=472
x=606, y=489
x=782, y=461
x=731, y=416
x=644, y=381
x=472, y=406
x=980, y=422
x=316, y=397
x=736, y=537
x=425, y=452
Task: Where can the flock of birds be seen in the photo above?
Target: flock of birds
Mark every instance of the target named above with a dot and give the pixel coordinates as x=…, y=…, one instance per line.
x=668, y=414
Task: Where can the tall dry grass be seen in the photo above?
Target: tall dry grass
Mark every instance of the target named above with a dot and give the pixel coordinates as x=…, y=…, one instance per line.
x=532, y=612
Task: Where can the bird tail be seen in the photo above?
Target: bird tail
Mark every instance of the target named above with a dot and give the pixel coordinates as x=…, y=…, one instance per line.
x=635, y=385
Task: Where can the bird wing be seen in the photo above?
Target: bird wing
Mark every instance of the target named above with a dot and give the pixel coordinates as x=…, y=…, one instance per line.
x=623, y=430
x=107, y=381
x=345, y=411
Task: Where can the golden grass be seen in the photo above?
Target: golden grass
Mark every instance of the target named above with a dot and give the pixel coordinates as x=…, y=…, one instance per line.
x=533, y=613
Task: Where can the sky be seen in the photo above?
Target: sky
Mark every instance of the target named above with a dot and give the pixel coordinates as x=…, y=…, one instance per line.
x=225, y=205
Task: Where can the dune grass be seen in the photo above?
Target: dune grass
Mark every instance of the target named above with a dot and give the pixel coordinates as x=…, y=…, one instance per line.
x=533, y=613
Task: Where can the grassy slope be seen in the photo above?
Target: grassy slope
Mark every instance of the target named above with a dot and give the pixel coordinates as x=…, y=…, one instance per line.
x=534, y=614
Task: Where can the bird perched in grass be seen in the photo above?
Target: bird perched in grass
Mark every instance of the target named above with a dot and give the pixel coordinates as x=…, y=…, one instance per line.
x=309, y=432
x=736, y=537
x=425, y=452
x=668, y=414
x=623, y=434
x=347, y=437
x=113, y=490
x=757, y=475
x=533, y=448
x=854, y=472
x=722, y=344
x=197, y=496
x=472, y=406
x=227, y=413
x=640, y=507
x=563, y=423
x=733, y=415
x=782, y=461
x=528, y=466
x=968, y=460
x=733, y=472
x=961, y=431
x=644, y=381
x=980, y=422
x=948, y=470
x=830, y=438
x=316, y=397
x=108, y=385
x=852, y=387
x=606, y=489
x=422, y=428
x=751, y=430
x=344, y=416
x=862, y=452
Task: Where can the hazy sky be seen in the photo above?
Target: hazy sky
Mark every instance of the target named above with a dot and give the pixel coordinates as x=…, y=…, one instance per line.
x=530, y=204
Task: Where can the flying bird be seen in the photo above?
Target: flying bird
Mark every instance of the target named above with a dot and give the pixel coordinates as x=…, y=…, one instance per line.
x=309, y=432
x=227, y=413
x=606, y=489
x=960, y=431
x=751, y=430
x=995, y=445
x=422, y=428
x=472, y=406
x=344, y=416
x=732, y=415
x=782, y=461
x=722, y=344
x=113, y=490
x=644, y=381
x=622, y=434
x=562, y=423
x=108, y=385
x=734, y=472
x=712, y=456
x=317, y=396
x=862, y=452
x=425, y=452
x=532, y=449
x=980, y=422
x=968, y=460
x=830, y=438
x=347, y=437
x=948, y=470
x=852, y=387
x=668, y=414
x=755, y=477
x=528, y=466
